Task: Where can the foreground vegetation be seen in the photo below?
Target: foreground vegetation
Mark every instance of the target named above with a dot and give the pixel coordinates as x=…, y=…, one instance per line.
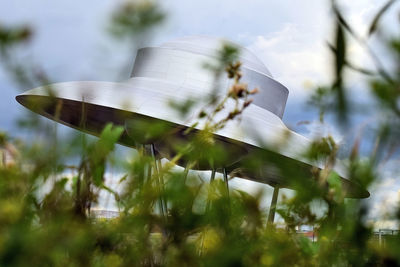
x=47, y=191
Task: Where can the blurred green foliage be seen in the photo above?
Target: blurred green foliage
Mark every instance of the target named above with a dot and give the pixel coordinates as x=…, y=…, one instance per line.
x=169, y=217
x=135, y=17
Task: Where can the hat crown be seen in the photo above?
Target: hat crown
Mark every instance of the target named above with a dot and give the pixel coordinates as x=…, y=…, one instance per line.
x=182, y=62
x=209, y=46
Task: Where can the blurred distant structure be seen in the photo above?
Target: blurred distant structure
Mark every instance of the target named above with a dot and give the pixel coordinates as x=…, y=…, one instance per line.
x=385, y=235
x=104, y=214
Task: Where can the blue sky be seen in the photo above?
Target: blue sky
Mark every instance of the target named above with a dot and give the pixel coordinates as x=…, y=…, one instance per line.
x=71, y=43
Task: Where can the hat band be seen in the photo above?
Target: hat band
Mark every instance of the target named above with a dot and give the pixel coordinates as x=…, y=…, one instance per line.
x=187, y=69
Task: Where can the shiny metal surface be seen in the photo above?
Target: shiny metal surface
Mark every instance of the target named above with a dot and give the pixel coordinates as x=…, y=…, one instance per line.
x=186, y=70
x=175, y=71
x=208, y=46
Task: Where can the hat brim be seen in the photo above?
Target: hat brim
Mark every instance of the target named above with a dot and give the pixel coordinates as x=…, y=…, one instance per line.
x=147, y=100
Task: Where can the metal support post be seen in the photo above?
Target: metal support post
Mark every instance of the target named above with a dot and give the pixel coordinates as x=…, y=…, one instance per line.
x=185, y=173
x=212, y=176
x=226, y=179
x=162, y=185
x=159, y=185
x=211, y=180
x=272, y=208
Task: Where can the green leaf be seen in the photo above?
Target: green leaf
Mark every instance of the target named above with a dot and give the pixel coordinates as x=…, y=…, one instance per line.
x=382, y=11
x=182, y=107
x=359, y=69
x=134, y=18
x=340, y=60
x=335, y=186
x=340, y=52
x=350, y=65
x=340, y=19
x=108, y=138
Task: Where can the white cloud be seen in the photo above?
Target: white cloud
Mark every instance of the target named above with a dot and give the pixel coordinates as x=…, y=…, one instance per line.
x=385, y=196
x=294, y=56
x=298, y=55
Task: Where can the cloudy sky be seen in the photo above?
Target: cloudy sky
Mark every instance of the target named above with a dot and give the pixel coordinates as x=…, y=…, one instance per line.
x=71, y=43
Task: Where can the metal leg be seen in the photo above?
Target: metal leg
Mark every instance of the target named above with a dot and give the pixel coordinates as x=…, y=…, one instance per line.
x=207, y=209
x=146, y=174
x=211, y=180
x=159, y=185
x=162, y=185
x=149, y=170
x=146, y=170
x=226, y=179
x=185, y=173
x=212, y=175
x=272, y=208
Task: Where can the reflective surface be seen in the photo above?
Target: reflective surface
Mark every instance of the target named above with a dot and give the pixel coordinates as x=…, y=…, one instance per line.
x=175, y=71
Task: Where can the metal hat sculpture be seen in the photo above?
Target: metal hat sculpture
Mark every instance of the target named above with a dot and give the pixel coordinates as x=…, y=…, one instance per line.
x=175, y=70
